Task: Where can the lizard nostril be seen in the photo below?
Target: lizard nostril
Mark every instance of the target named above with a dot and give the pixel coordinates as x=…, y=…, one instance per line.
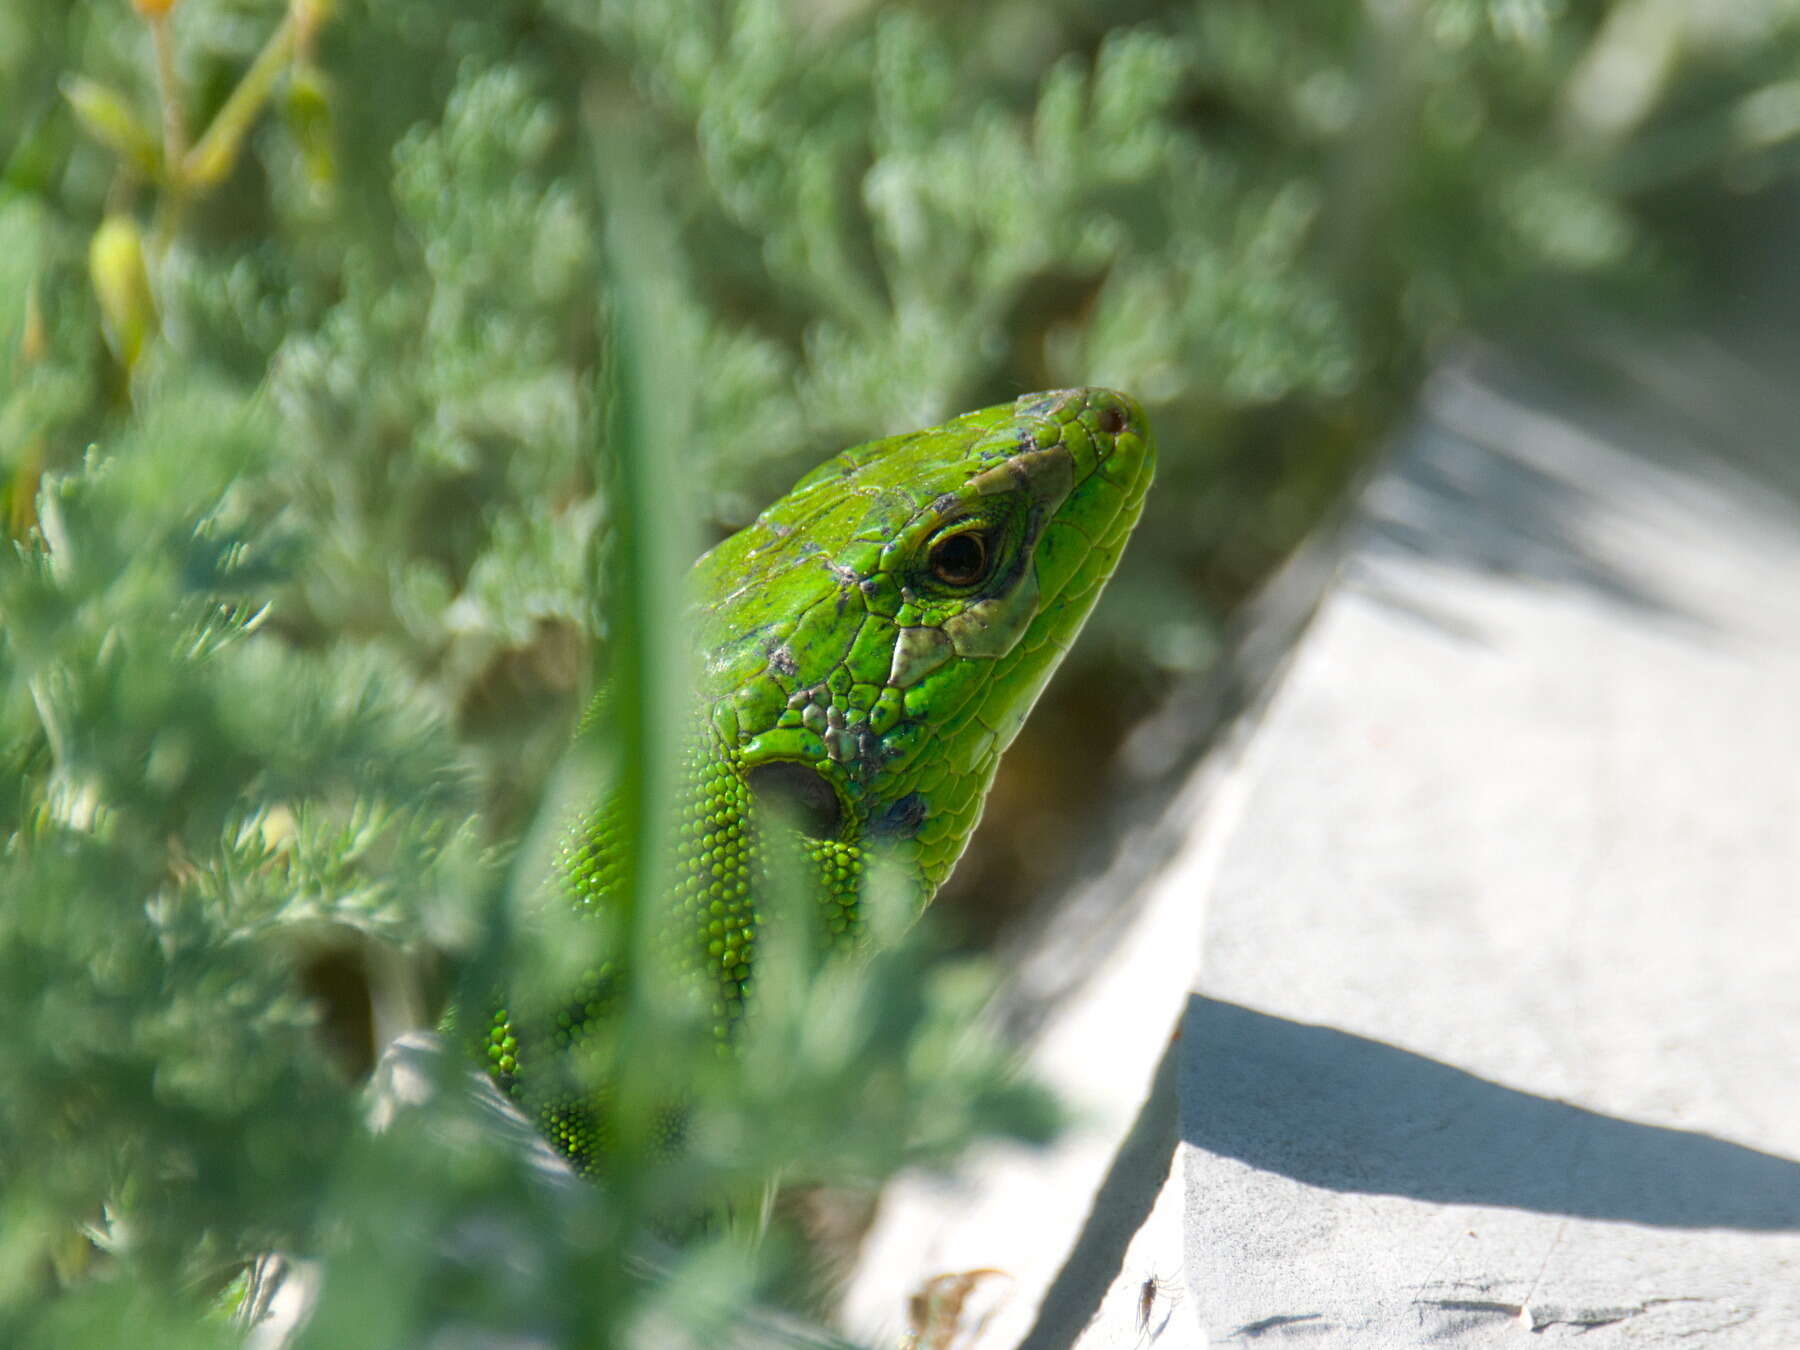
x=1112, y=420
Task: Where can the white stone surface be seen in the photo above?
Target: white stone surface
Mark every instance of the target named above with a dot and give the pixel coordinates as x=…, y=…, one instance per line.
x=1496, y=1036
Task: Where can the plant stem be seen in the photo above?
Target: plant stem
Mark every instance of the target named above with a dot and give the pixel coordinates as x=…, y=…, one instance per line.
x=174, y=128
x=217, y=149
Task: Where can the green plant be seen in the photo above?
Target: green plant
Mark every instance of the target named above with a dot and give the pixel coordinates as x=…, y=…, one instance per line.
x=308, y=350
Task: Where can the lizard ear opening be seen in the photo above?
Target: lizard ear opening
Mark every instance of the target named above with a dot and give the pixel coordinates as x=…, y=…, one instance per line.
x=798, y=794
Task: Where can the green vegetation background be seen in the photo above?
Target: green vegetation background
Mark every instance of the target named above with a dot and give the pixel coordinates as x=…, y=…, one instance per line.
x=305, y=353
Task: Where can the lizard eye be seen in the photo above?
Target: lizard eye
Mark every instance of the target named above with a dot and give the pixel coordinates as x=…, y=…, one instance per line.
x=960, y=559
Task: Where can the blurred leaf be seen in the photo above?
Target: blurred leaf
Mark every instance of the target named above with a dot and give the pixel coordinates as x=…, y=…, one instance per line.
x=108, y=117
x=308, y=111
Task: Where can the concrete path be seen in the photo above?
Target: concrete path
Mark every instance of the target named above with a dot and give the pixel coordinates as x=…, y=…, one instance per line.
x=1496, y=1036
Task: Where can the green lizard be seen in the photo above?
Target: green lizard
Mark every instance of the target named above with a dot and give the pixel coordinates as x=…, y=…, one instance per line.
x=867, y=648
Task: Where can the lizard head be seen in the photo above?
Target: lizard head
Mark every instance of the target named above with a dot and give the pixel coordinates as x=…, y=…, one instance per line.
x=874, y=641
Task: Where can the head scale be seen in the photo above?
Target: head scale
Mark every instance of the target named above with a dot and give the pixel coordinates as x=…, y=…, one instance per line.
x=879, y=635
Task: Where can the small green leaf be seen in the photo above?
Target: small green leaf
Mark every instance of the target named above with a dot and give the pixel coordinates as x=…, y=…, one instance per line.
x=309, y=117
x=107, y=116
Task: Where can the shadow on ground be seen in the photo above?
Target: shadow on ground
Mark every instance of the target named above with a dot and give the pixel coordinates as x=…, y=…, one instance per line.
x=1455, y=501
x=1345, y=1113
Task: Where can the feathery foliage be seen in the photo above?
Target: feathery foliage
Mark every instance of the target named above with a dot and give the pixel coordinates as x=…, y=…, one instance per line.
x=307, y=360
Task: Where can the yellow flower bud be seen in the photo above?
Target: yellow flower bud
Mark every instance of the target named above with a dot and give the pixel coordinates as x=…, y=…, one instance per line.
x=122, y=285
